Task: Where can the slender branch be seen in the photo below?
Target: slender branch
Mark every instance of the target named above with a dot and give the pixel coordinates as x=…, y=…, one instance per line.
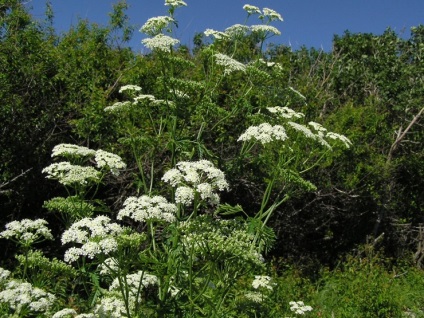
x=402, y=135
x=2, y=185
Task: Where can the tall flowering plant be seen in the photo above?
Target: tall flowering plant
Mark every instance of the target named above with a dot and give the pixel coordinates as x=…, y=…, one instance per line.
x=174, y=246
x=81, y=173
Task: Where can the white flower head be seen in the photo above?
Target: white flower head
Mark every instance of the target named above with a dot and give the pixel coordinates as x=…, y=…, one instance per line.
x=65, y=313
x=320, y=130
x=69, y=174
x=144, y=98
x=133, y=283
x=4, y=275
x=267, y=63
x=254, y=296
x=299, y=307
x=237, y=30
x=184, y=195
x=264, y=133
x=110, y=161
x=216, y=34
x=65, y=150
x=346, y=141
x=160, y=42
x=132, y=88
x=191, y=177
x=175, y=3
x=262, y=281
x=303, y=129
x=27, y=231
x=265, y=29
x=110, y=307
x=109, y=266
x=230, y=64
x=154, y=26
x=146, y=208
x=272, y=15
x=22, y=296
x=118, y=107
x=285, y=112
x=97, y=236
x=251, y=9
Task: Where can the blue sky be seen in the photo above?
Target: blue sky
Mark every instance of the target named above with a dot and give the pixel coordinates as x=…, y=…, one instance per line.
x=306, y=22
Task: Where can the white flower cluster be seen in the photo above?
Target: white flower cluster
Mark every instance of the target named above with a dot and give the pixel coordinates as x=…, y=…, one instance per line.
x=320, y=134
x=264, y=133
x=342, y=138
x=160, y=42
x=216, y=34
x=4, y=275
x=110, y=264
x=303, y=129
x=270, y=14
x=262, y=281
x=251, y=9
x=65, y=313
x=254, y=296
x=132, y=88
x=175, y=3
x=230, y=64
x=179, y=94
x=110, y=307
x=110, y=161
x=146, y=208
x=133, y=283
x=269, y=64
x=285, y=112
x=65, y=150
x=191, y=177
x=68, y=174
x=237, y=30
x=27, y=231
x=144, y=97
x=97, y=236
x=299, y=308
x=22, y=296
x=154, y=26
x=319, y=129
x=265, y=29
x=118, y=107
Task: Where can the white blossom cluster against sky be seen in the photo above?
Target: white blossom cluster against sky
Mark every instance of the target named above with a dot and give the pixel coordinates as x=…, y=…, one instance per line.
x=306, y=22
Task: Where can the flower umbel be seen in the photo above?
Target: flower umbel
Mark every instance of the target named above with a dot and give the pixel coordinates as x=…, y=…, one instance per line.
x=27, y=231
x=154, y=26
x=264, y=133
x=109, y=161
x=272, y=15
x=97, y=235
x=191, y=177
x=262, y=281
x=69, y=174
x=285, y=112
x=175, y=3
x=298, y=307
x=147, y=208
x=70, y=150
x=251, y=9
x=160, y=42
x=230, y=65
x=22, y=296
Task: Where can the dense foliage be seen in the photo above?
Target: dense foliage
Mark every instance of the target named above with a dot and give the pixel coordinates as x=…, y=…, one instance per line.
x=312, y=159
